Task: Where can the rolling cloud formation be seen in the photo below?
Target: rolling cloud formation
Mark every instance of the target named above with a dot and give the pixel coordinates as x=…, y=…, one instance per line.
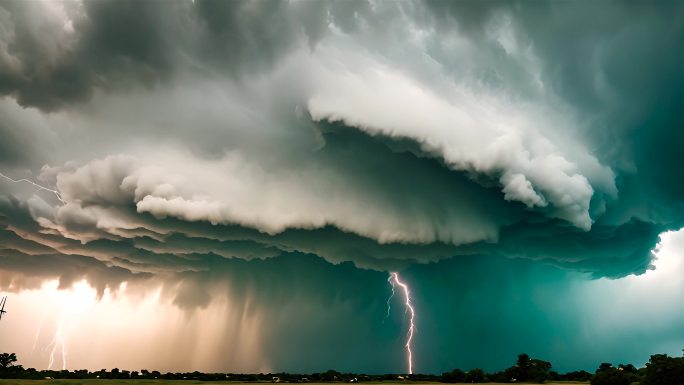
x=386, y=134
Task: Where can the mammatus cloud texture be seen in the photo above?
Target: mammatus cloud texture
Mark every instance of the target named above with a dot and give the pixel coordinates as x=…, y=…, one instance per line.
x=184, y=137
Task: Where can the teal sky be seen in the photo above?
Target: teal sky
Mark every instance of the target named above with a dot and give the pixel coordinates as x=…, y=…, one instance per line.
x=235, y=181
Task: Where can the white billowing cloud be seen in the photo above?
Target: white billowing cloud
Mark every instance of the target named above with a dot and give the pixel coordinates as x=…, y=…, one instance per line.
x=518, y=188
x=248, y=155
x=383, y=89
x=234, y=191
x=471, y=130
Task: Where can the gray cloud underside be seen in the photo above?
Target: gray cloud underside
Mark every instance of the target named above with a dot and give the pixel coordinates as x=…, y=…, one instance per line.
x=384, y=134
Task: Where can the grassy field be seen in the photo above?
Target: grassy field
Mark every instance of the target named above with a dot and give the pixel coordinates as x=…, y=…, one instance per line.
x=179, y=382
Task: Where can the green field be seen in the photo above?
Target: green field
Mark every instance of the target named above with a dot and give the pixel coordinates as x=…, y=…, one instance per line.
x=183, y=382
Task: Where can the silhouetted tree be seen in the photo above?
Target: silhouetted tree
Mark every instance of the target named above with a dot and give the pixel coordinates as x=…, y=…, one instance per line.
x=581, y=375
x=7, y=367
x=523, y=365
x=664, y=370
x=456, y=375
x=502, y=376
x=7, y=360
x=607, y=374
x=332, y=375
x=539, y=371
x=527, y=369
x=476, y=375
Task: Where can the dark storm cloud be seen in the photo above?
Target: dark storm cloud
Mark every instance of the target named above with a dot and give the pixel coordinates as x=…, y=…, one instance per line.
x=26, y=263
x=50, y=62
x=276, y=158
x=56, y=56
x=384, y=134
x=626, y=76
x=24, y=272
x=166, y=245
x=617, y=64
x=13, y=147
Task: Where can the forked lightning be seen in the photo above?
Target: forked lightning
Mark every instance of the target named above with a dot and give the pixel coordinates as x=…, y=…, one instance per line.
x=394, y=279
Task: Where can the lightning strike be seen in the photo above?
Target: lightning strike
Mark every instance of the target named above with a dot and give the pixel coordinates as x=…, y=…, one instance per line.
x=40, y=329
x=389, y=303
x=58, y=342
x=55, y=192
x=409, y=308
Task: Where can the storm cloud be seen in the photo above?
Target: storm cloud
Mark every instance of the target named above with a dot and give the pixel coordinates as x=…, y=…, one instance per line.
x=184, y=136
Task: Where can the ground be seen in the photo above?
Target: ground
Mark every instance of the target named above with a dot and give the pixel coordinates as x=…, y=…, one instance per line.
x=178, y=382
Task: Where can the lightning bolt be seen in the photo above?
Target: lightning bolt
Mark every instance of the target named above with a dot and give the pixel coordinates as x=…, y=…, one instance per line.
x=40, y=328
x=389, y=303
x=55, y=192
x=73, y=302
x=412, y=313
x=58, y=342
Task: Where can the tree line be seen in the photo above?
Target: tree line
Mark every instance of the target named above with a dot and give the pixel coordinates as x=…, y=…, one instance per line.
x=661, y=369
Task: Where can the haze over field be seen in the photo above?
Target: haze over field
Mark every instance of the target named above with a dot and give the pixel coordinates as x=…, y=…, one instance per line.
x=225, y=186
